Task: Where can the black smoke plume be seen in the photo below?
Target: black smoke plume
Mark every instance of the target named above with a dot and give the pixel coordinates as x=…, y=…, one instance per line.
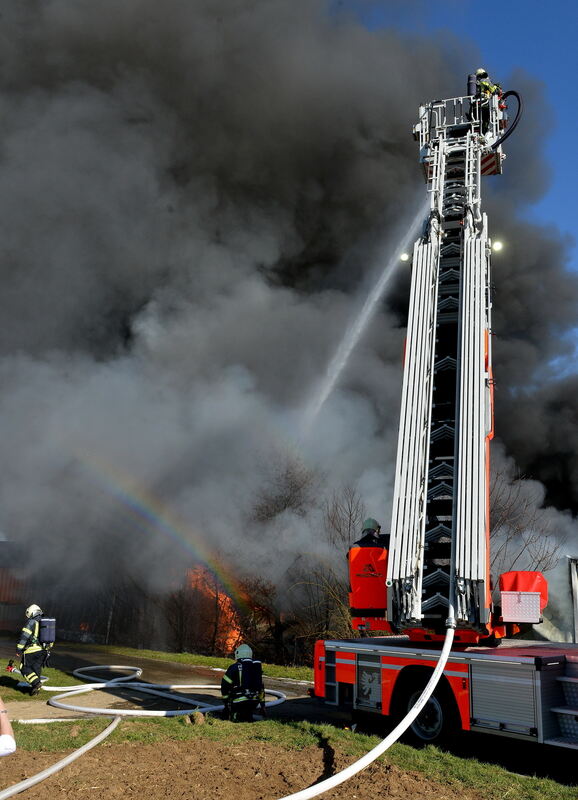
x=191, y=197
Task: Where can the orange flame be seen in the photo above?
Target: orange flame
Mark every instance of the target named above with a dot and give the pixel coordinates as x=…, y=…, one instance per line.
x=217, y=610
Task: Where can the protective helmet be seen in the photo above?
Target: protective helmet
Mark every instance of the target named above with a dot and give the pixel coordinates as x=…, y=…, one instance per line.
x=371, y=525
x=33, y=611
x=481, y=73
x=243, y=651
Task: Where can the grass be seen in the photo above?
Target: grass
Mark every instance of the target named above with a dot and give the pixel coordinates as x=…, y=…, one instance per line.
x=10, y=692
x=494, y=782
x=270, y=670
x=57, y=737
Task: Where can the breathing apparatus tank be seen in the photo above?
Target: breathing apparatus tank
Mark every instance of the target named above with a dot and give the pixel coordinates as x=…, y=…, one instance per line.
x=47, y=630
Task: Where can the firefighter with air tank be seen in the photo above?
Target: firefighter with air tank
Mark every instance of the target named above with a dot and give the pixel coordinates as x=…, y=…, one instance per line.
x=242, y=686
x=485, y=90
x=34, y=645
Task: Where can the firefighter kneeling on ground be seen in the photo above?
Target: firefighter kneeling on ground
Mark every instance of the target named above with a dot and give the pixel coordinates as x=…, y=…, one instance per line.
x=33, y=654
x=242, y=686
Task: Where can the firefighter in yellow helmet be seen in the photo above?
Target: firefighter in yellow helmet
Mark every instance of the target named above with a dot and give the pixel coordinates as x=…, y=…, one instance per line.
x=32, y=653
x=485, y=86
x=242, y=686
x=485, y=89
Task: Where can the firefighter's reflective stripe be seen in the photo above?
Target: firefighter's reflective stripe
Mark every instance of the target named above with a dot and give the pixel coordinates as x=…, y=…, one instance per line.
x=31, y=677
x=226, y=690
x=29, y=642
x=488, y=88
x=29, y=633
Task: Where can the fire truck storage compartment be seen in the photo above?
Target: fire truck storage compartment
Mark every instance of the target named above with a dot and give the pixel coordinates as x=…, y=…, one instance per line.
x=504, y=697
x=515, y=698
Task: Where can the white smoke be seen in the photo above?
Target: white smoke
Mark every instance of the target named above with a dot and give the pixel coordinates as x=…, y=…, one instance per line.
x=190, y=199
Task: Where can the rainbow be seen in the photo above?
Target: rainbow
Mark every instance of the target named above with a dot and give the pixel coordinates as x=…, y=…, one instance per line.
x=154, y=517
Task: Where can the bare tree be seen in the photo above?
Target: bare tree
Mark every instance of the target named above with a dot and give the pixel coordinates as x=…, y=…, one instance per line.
x=343, y=515
x=521, y=534
x=323, y=588
x=288, y=485
x=263, y=621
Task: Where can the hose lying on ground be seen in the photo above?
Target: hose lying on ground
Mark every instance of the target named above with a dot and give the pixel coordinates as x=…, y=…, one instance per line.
x=146, y=688
x=46, y=773
x=304, y=794
x=391, y=738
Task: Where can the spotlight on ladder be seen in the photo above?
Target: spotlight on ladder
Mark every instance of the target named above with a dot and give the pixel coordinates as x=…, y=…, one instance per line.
x=497, y=246
x=404, y=257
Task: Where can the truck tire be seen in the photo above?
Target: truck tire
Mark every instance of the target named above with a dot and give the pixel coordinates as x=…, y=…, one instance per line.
x=438, y=720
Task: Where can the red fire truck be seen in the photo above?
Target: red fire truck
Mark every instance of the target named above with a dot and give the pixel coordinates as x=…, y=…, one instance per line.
x=431, y=572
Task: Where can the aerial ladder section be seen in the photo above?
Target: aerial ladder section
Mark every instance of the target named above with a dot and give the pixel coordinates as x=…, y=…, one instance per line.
x=428, y=578
x=438, y=553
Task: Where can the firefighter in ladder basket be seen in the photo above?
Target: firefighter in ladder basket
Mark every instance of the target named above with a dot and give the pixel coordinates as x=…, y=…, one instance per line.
x=485, y=89
x=242, y=686
x=367, y=571
x=371, y=535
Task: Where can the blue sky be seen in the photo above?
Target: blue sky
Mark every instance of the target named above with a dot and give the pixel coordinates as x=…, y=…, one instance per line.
x=539, y=37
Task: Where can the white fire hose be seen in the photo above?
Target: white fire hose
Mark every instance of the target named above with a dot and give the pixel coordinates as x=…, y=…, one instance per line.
x=146, y=688
x=391, y=738
x=153, y=689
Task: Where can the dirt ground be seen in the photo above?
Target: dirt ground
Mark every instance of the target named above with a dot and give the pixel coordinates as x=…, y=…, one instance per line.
x=254, y=771
x=209, y=770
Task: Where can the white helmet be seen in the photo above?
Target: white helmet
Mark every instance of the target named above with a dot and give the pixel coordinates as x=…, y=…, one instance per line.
x=243, y=651
x=481, y=73
x=33, y=611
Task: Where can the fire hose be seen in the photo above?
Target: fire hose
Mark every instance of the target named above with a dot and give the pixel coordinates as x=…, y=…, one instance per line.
x=391, y=738
x=146, y=688
x=512, y=128
x=154, y=689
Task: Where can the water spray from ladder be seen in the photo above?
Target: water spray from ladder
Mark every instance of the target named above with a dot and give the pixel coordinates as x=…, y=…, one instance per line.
x=358, y=326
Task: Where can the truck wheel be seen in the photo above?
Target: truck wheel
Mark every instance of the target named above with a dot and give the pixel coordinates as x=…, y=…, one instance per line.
x=438, y=719
x=431, y=723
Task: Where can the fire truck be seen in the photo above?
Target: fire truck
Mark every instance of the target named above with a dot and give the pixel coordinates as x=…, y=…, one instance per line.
x=431, y=572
